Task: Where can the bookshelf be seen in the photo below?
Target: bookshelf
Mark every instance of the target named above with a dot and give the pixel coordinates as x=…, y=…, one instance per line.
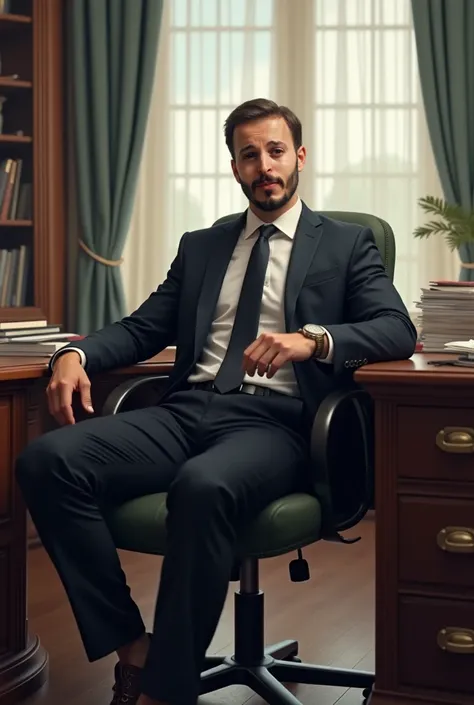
x=32, y=223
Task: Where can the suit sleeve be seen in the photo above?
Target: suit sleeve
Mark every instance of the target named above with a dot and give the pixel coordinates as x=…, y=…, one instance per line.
x=139, y=336
x=378, y=326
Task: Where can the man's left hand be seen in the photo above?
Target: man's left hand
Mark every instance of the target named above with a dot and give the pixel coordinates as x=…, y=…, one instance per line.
x=272, y=350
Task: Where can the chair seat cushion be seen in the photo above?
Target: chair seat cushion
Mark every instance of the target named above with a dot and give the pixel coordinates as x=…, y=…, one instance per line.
x=288, y=523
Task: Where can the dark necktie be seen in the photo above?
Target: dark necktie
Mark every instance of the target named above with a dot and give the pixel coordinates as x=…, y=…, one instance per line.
x=245, y=328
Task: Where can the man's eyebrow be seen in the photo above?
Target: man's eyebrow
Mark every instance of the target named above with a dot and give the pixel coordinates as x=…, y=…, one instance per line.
x=247, y=146
x=271, y=143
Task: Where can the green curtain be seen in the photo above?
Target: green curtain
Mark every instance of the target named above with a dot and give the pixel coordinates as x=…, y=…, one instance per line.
x=444, y=31
x=112, y=58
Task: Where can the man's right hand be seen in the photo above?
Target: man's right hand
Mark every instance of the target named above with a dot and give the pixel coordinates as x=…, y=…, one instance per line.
x=68, y=376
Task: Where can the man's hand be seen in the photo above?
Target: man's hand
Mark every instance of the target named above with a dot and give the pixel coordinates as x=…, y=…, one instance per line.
x=68, y=377
x=271, y=350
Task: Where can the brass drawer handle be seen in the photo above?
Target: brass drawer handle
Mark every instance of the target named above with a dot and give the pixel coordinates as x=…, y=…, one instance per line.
x=456, y=640
x=454, y=439
x=456, y=539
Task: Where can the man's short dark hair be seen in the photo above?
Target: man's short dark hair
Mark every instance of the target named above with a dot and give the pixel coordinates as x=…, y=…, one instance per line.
x=258, y=109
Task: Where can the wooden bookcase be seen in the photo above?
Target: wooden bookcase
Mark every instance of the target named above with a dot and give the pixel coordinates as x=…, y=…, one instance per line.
x=32, y=81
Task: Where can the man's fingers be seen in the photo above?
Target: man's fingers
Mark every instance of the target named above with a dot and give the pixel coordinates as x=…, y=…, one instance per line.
x=276, y=363
x=85, y=391
x=249, y=354
x=251, y=359
x=60, y=395
x=266, y=360
x=273, y=359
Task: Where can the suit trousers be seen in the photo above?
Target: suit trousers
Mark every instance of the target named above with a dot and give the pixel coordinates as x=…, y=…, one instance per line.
x=221, y=458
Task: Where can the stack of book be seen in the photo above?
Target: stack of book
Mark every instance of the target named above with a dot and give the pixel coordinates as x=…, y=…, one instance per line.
x=32, y=338
x=447, y=314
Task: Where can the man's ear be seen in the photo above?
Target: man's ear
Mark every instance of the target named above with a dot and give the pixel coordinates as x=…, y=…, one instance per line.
x=301, y=155
x=234, y=170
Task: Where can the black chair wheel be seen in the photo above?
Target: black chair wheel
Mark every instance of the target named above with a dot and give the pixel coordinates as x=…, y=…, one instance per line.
x=366, y=695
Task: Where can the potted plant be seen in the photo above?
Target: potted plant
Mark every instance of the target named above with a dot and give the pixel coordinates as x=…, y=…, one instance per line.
x=451, y=221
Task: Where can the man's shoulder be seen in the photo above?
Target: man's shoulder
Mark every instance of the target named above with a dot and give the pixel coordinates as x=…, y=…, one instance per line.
x=205, y=235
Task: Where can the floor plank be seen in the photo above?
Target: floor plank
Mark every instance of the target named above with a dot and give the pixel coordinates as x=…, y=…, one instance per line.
x=331, y=615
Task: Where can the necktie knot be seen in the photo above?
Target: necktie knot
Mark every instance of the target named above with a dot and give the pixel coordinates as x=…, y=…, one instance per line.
x=266, y=231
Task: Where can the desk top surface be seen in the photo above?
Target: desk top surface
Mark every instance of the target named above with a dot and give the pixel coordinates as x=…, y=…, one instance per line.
x=416, y=369
x=17, y=368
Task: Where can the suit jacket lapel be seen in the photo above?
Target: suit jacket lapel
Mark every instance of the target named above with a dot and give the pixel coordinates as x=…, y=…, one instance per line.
x=307, y=238
x=217, y=262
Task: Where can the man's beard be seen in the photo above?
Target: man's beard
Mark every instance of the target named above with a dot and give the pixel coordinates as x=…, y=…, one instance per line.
x=272, y=203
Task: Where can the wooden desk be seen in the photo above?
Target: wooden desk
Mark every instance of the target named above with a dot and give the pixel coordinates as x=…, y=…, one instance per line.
x=23, y=415
x=420, y=490
x=424, y=423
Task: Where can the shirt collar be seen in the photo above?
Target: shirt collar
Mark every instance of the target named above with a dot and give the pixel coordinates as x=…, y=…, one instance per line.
x=286, y=223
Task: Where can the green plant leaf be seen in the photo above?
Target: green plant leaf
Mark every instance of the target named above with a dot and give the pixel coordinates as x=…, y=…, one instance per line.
x=452, y=222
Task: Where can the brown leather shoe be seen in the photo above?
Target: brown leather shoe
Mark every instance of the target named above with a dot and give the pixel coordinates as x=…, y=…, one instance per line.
x=127, y=684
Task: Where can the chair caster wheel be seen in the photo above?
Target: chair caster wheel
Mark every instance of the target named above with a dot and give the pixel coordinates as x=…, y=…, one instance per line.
x=291, y=659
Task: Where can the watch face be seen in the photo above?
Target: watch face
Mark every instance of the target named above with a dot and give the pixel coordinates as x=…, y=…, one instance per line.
x=313, y=329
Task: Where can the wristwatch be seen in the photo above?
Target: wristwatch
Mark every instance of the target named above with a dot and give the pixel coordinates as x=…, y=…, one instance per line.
x=316, y=333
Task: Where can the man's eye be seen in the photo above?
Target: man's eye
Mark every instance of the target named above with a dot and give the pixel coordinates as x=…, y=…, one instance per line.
x=277, y=152
x=249, y=155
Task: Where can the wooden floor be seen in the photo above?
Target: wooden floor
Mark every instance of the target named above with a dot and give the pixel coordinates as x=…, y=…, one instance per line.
x=332, y=616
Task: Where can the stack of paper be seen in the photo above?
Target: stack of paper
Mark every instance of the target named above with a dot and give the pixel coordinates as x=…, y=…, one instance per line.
x=447, y=314
x=464, y=347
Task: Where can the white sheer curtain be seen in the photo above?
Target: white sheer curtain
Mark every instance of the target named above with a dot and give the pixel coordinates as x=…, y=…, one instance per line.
x=346, y=67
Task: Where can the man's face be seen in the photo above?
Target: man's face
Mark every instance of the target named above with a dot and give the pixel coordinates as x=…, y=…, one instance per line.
x=266, y=164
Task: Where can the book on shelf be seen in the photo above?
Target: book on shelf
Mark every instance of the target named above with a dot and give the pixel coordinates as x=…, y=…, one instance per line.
x=446, y=314
x=15, y=196
x=15, y=267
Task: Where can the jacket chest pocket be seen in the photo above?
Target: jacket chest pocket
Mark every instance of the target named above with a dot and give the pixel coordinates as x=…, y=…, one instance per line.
x=321, y=277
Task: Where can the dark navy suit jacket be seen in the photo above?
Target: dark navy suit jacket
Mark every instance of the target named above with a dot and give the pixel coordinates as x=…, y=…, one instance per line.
x=336, y=278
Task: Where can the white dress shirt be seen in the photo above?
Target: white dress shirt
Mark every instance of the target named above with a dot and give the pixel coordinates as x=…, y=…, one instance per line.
x=272, y=318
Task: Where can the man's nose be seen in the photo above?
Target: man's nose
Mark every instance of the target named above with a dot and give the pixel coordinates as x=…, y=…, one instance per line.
x=265, y=163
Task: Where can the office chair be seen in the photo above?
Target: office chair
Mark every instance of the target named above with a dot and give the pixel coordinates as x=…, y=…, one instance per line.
x=343, y=492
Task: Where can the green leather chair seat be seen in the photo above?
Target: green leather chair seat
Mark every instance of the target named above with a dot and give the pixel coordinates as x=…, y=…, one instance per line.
x=288, y=523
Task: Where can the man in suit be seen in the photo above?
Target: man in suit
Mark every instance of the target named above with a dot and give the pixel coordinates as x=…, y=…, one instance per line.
x=269, y=313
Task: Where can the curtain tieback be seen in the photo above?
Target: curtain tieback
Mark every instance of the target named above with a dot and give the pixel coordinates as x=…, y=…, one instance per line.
x=98, y=258
x=467, y=265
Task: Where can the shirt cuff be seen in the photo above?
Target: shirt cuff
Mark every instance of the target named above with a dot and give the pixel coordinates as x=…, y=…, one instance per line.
x=329, y=357
x=64, y=350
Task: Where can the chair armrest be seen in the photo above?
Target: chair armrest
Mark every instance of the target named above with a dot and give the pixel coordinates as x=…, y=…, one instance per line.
x=342, y=442
x=123, y=393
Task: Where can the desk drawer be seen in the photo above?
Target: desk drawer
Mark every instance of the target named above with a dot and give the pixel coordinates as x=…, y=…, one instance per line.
x=419, y=454
x=422, y=662
x=436, y=541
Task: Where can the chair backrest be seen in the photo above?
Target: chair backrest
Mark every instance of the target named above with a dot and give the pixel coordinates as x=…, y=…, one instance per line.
x=383, y=233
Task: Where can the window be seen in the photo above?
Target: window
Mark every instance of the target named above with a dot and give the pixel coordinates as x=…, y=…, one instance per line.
x=220, y=56
x=367, y=119
x=348, y=68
